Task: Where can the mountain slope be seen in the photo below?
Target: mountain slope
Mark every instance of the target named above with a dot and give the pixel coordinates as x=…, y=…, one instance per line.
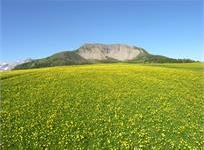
x=158, y=59
x=58, y=59
x=100, y=53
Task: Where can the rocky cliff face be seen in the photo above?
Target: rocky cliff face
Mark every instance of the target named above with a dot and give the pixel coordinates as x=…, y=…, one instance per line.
x=114, y=51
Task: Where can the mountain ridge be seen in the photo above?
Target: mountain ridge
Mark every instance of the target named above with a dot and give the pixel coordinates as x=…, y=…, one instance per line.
x=91, y=53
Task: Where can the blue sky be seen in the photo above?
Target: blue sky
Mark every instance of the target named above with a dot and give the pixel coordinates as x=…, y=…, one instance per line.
x=39, y=28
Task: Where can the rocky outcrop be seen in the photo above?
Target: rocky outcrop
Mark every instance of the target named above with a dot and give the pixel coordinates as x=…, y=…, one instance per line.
x=119, y=52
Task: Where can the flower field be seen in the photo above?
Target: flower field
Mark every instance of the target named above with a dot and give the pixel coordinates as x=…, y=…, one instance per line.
x=109, y=106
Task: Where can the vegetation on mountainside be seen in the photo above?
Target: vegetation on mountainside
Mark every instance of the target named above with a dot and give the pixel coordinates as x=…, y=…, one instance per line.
x=158, y=59
x=58, y=59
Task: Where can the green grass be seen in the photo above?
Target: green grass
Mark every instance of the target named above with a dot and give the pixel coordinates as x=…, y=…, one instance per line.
x=189, y=66
x=118, y=106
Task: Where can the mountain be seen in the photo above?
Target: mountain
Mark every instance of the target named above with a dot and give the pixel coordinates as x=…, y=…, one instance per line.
x=4, y=66
x=9, y=66
x=99, y=53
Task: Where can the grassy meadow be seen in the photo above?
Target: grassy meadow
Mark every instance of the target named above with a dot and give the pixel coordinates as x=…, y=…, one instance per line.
x=104, y=106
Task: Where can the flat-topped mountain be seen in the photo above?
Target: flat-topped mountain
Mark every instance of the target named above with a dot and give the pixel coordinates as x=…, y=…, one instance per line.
x=119, y=52
x=99, y=53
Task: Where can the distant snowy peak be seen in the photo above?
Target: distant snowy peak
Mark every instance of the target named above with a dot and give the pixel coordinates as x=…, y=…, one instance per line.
x=4, y=66
x=9, y=66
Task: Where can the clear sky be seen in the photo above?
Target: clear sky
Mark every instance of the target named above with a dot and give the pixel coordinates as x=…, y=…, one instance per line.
x=39, y=28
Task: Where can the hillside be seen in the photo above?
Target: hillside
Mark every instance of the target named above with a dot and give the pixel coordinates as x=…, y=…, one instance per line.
x=100, y=53
x=158, y=59
x=58, y=59
x=112, y=106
